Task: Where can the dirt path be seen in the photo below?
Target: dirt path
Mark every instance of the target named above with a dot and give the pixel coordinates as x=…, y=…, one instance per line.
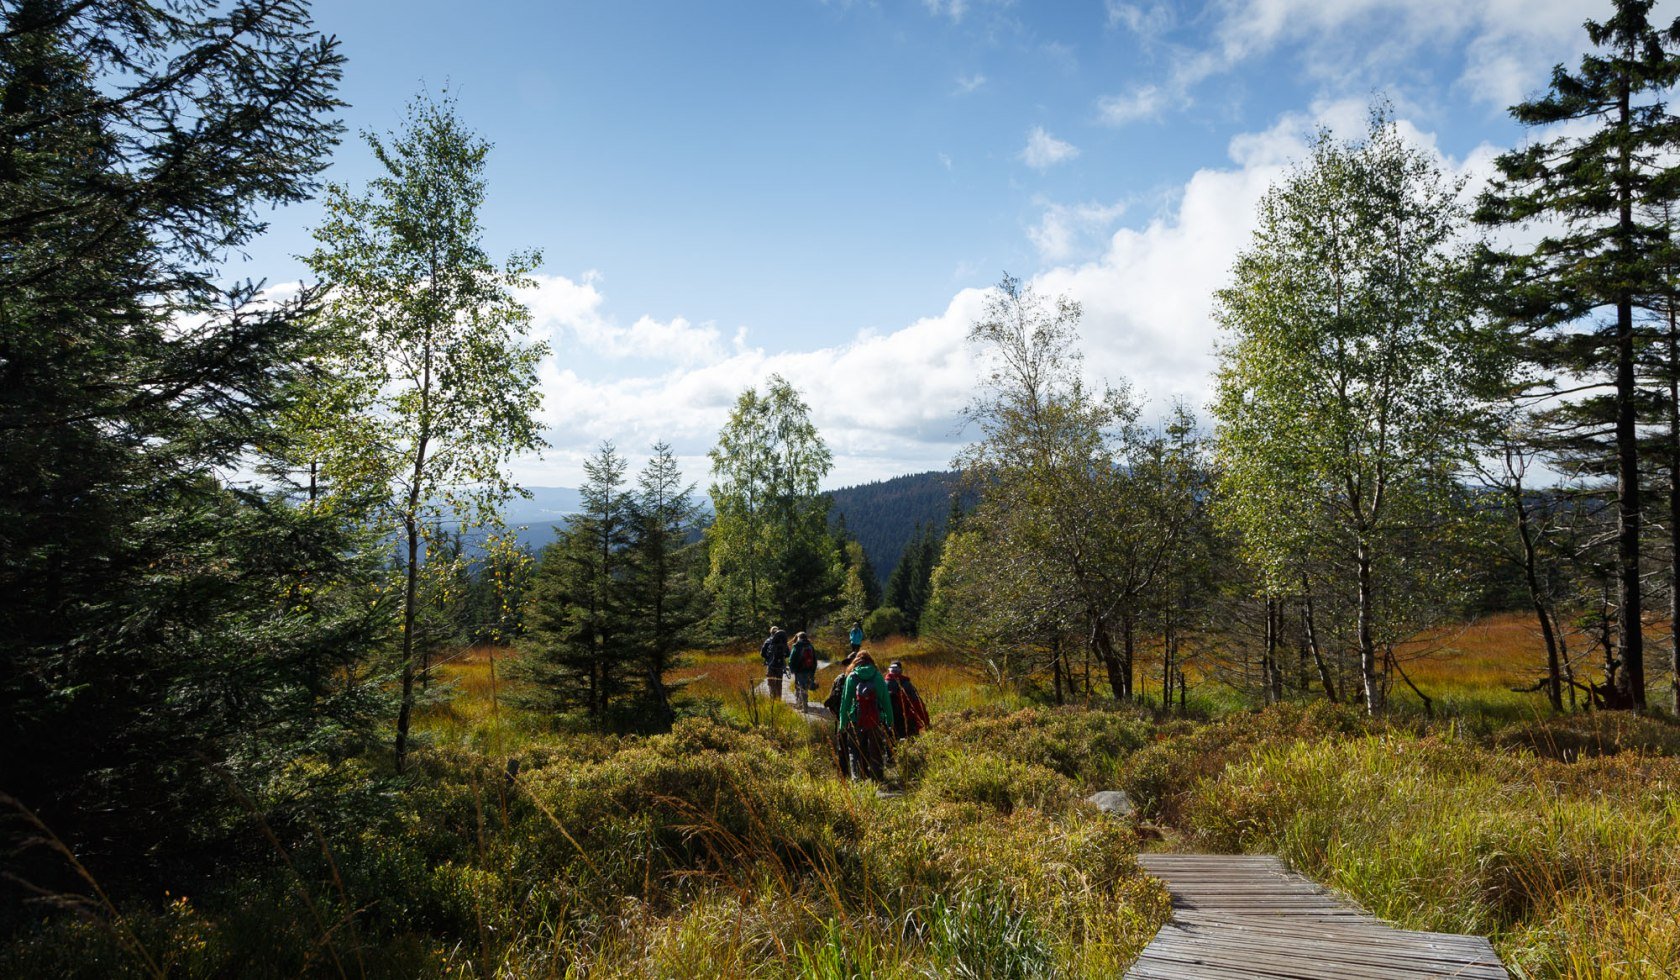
x=814, y=712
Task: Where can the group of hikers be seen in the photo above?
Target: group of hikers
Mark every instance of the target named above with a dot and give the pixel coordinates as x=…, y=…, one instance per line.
x=872, y=711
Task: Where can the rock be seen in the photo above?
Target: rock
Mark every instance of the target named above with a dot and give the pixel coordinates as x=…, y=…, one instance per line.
x=1113, y=802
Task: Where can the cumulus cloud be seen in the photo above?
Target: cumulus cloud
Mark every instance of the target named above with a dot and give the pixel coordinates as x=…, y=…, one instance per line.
x=1044, y=151
x=1067, y=230
x=891, y=402
x=969, y=84
x=570, y=312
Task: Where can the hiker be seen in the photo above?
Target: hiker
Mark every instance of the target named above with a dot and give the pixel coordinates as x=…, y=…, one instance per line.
x=802, y=661
x=910, y=715
x=856, y=637
x=866, y=715
x=775, y=655
x=836, y=696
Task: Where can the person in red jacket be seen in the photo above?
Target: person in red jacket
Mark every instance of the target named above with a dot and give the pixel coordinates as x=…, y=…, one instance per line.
x=910, y=715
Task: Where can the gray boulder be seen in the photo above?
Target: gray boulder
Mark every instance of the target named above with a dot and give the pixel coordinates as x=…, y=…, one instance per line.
x=1112, y=802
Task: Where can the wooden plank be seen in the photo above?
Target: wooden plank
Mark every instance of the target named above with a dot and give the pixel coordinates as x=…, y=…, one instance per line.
x=1247, y=917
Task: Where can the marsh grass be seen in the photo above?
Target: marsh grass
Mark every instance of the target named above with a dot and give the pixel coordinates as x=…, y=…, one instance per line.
x=1573, y=869
x=725, y=848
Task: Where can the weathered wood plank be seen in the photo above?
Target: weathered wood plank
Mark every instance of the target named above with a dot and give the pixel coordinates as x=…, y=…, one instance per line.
x=1247, y=917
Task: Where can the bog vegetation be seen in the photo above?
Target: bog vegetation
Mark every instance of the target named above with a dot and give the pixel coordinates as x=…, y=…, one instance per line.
x=280, y=696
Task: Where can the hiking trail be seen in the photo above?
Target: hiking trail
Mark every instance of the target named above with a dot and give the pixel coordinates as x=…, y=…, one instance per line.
x=1247, y=917
x=814, y=711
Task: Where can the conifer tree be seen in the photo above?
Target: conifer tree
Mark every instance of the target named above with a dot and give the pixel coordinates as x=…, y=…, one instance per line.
x=1602, y=193
x=580, y=645
x=162, y=630
x=665, y=599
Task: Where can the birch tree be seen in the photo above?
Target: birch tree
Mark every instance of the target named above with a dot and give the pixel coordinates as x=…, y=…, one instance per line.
x=1348, y=379
x=433, y=339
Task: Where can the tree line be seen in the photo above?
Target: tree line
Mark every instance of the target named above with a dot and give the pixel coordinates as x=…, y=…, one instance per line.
x=1402, y=399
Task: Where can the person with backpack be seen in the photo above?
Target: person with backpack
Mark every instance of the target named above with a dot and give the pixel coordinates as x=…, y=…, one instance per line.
x=910, y=715
x=802, y=661
x=856, y=637
x=774, y=653
x=866, y=715
x=836, y=696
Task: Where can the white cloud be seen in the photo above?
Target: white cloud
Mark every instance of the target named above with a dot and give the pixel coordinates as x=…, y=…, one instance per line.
x=890, y=402
x=969, y=84
x=1066, y=230
x=1355, y=45
x=1148, y=21
x=954, y=9
x=945, y=161
x=1143, y=102
x=1044, y=151
x=570, y=311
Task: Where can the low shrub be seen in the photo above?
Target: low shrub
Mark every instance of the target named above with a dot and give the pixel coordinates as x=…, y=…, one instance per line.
x=1083, y=745
x=995, y=781
x=1579, y=736
x=884, y=622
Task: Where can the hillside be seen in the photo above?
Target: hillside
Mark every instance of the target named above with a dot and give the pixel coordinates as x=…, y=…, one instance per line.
x=883, y=516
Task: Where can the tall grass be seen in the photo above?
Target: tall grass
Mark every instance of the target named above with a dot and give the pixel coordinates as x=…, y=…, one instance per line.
x=1573, y=869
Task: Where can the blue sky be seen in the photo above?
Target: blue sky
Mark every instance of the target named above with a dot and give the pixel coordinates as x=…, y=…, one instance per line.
x=821, y=189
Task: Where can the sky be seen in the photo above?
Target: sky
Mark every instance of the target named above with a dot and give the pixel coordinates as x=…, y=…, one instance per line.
x=724, y=191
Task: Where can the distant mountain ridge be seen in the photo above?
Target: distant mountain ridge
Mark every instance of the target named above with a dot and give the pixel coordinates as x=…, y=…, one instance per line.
x=883, y=516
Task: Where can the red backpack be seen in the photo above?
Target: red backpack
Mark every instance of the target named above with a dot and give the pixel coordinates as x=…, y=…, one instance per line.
x=804, y=656
x=868, y=709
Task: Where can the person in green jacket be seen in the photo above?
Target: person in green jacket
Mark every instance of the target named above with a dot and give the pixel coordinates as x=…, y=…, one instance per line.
x=866, y=715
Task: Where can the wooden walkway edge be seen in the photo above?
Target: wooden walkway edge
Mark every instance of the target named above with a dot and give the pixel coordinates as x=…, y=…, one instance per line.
x=1247, y=917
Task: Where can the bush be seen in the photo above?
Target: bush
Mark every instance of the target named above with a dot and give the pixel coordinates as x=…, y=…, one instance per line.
x=1084, y=745
x=994, y=781
x=1161, y=777
x=884, y=622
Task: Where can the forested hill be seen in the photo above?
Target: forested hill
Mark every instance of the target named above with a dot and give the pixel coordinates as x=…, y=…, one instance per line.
x=884, y=516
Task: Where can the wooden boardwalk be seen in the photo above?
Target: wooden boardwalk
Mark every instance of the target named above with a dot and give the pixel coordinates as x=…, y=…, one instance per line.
x=1250, y=918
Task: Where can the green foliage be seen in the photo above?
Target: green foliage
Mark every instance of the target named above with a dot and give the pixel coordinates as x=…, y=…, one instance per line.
x=167, y=635
x=1351, y=384
x=772, y=559
x=1074, y=520
x=884, y=622
x=427, y=364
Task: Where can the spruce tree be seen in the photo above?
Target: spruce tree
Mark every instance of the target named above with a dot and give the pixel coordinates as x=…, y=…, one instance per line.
x=664, y=598
x=1576, y=298
x=163, y=631
x=580, y=642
